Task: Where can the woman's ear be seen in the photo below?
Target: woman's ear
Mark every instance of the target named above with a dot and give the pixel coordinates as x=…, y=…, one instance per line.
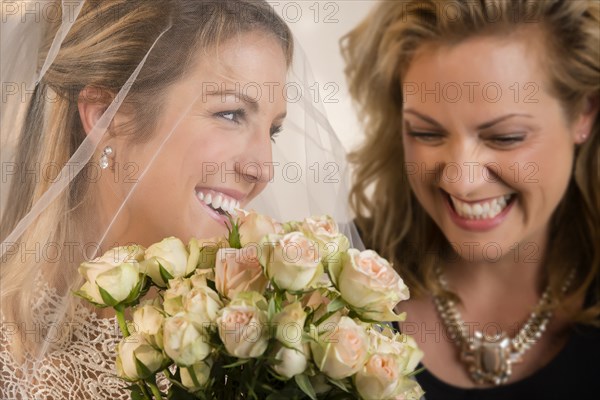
x=585, y=122
x=91, y=104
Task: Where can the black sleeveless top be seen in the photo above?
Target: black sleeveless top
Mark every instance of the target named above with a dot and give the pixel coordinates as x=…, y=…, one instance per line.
x=574, y=373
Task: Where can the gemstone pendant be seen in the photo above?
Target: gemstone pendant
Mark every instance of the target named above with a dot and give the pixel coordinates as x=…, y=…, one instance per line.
x=489, y=359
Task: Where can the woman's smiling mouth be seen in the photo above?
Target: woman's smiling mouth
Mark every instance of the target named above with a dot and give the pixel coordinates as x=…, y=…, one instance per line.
x=218, y=204
x=479, y=215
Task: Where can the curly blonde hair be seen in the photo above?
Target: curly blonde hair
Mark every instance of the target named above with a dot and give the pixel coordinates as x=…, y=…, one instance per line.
x=378, y=53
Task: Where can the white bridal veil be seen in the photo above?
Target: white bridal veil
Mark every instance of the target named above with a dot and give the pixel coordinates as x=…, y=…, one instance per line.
x=51, y=226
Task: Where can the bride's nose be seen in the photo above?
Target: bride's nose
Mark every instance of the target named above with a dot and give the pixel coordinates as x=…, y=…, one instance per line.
x=255, y=162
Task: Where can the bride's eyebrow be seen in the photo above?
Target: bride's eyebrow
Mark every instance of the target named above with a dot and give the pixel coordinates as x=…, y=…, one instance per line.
x=250, y=102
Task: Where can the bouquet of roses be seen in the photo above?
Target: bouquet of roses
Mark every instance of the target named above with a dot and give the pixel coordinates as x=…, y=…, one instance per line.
x=273, y=311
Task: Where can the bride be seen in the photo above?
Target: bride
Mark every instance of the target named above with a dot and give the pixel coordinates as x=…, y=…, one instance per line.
x=141, y=120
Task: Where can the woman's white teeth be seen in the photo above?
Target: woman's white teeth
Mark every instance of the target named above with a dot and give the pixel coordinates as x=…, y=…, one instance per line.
x=219, y=200
x=482, y=210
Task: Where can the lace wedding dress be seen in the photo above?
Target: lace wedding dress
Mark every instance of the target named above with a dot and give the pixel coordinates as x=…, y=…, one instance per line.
x=81, y=368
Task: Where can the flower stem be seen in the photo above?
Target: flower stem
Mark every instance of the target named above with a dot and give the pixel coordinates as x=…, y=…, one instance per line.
x=121, y=319
x=144, y=389
x=155, y=392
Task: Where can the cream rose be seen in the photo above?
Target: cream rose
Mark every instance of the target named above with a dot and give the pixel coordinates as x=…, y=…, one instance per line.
x=148, y=320
x=196, y=376
x=242, y=326
x=253, y=227
x=173, y=296
x=409, y=389
x=207, y=251
x=290, y=361
x=114, y=277
x=340, y=348
x=369, y=284
x=325, y=231
x=202, y=305
x=292, y=352
x=133, y=351
x=291, y=261
x=183, y=342
x=168, y=259
x=401, y=345
x=238, y=270
x=316, y=300
x=380, y=377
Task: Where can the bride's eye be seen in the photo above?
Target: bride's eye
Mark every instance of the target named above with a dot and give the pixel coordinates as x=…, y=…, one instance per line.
x=275, y=130
x=232, y=115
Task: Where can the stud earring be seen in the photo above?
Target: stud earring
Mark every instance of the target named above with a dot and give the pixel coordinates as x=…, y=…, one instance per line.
x=106, y=154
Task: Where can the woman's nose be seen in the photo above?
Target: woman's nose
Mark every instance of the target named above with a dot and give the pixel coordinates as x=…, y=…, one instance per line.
x=464, y=170
x=256, y=161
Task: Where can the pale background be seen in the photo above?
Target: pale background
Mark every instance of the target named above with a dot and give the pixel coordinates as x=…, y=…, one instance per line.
x=318, y=26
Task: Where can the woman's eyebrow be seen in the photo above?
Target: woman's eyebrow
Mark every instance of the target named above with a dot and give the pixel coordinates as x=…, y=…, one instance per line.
x=249, y=101
x=423, y=117
x=482, y=126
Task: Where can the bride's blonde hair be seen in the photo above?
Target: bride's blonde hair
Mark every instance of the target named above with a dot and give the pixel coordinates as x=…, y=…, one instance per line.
x=102, y=49
x=378, y=53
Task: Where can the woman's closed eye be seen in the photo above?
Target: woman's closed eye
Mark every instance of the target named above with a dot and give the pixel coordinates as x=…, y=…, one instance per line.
x=425, y=136
x=507, y=140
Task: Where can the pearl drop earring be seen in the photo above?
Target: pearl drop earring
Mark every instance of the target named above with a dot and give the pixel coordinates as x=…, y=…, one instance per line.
x=106, y=154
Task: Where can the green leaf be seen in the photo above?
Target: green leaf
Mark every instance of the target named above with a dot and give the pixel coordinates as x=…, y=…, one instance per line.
x=234, y=234
x=304, y=384
x=84, y=296
x=338, y=383
x=164, y=274
x=415, y=372
x=106, y=297
x=136, y=393
x=307, y=337
x=336, y=304
x=141, y=368
x=272, y=309
x=237, y=363
x=136, y=292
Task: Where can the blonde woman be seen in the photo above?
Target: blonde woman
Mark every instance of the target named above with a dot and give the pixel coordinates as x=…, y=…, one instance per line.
x=479, y=176
x=133, y=121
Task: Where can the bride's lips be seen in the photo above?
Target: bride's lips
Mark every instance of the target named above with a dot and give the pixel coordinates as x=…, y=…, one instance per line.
x=224, y=200
x=478, y=225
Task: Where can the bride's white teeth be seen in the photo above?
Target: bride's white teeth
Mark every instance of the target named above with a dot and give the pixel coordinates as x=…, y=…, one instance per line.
x=481, y=210
x=217, y=201
x=225, y=205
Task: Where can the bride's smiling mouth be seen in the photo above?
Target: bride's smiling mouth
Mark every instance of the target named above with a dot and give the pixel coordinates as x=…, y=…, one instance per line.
x=219, y=203
x=479, y=215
